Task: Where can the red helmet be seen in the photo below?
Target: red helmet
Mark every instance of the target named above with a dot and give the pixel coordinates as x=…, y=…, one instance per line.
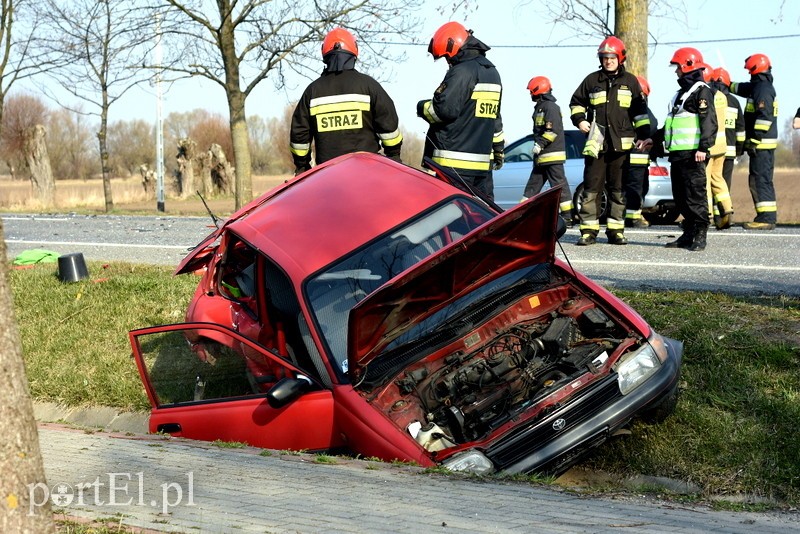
x=721, y=75
x=339, y=39
x=757, y=63
x=539, y=85
x=612, y=45
x=644, y=85
x=448, y=40
x=708, y=72
x=687, y=59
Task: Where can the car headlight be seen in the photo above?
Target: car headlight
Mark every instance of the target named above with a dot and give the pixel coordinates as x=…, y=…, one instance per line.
x=471, y=462
x=636, y=367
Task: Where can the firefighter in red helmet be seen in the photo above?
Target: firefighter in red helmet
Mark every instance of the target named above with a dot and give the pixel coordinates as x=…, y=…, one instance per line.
x=343, y=110
x=636, y=180
x=465, y=131
x=734, y=123
x=761, y=138
x=609, y=107
x=549, y=147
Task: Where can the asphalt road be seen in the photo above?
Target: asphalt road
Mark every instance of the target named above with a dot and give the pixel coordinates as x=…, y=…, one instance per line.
x=737, y=261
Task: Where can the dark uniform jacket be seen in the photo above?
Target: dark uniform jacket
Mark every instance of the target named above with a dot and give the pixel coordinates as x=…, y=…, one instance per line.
x=734, y=123
x=341, y=112
x=464, y=113
x=760, y=112
x=614, y=101
x=700, y=102
x=548, y=131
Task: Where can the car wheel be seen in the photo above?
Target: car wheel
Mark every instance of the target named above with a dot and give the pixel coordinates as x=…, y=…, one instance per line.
x=604, y=206
x=663, y=409
x=665, y=217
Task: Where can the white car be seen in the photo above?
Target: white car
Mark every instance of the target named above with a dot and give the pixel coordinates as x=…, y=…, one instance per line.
x=509, y=182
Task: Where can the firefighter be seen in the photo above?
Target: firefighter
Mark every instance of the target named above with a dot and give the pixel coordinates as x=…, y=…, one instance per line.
x=343, y=110
x=637, y=174
x=466, y=129
x=734, y=124
x=549, y=147
x=761, y=138
x=688, y=133
x=718, y=194
x=609, y=108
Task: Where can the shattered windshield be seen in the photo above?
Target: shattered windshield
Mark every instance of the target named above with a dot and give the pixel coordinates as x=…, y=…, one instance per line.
x=335, y=291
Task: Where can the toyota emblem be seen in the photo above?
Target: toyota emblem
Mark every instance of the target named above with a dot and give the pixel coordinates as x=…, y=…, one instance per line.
x=559, y=424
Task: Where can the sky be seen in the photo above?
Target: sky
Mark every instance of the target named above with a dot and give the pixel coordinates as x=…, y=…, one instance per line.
x=525, y=44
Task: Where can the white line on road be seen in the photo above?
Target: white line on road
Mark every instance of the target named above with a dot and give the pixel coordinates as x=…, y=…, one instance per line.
x=87, y=244
x=681, y=265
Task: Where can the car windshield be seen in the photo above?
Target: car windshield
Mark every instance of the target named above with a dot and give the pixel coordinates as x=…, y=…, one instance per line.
x=334, y=292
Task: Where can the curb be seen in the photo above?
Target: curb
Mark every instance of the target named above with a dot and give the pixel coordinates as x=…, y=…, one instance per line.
x=102, y=417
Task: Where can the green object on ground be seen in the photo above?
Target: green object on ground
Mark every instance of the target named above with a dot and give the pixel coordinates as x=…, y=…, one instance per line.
x=36, y=255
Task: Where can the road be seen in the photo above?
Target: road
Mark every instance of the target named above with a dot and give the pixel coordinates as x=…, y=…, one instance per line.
x=736, y=261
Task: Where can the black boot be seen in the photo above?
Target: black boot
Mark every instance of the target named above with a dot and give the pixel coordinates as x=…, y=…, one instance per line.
x=699, y=241
x=686, y=238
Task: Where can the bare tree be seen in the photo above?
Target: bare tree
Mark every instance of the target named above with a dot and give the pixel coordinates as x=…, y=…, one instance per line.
x=98, y=48
x=131, y=144
x=238, y=44
x=35, y=150
x=20, y=112
x=73, y=153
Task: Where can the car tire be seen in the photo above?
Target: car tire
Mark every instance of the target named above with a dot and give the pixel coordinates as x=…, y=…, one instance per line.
x=666, y=217
x=604, y=206
x=663, y=409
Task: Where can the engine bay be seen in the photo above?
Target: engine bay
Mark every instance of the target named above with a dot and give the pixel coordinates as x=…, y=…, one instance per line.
x=464, y=391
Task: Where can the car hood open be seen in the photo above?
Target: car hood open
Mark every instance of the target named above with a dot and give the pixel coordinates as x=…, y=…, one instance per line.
x=517, y=238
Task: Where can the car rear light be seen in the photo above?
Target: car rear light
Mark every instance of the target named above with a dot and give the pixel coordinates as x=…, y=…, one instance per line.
x=658, y=170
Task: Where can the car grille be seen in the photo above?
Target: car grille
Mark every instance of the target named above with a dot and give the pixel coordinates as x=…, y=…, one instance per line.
x=524, y=441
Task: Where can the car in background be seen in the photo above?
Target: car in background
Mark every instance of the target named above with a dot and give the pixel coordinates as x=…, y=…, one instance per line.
x=370, y=307
x=510, y=180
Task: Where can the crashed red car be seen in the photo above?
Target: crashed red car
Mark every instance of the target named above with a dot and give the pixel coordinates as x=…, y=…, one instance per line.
x=370, y=307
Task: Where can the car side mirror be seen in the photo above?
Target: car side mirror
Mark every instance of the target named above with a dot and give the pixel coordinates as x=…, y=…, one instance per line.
x=287, y=390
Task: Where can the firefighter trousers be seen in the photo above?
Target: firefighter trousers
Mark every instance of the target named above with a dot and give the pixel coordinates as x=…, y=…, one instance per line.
x=727, y=171
x=604, y=172
x=762, y=167
x=635, y=186
x=719, y=197
x=689, y=188
x=555, y=176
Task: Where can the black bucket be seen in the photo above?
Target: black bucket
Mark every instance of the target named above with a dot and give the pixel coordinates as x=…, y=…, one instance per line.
x=72, y=267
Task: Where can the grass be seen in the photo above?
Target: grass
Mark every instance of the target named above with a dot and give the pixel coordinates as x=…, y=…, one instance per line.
x=734, y=432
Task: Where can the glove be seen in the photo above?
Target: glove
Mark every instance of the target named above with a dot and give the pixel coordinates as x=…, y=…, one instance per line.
x=497, y=160
x=536, y=149
x=750, y=148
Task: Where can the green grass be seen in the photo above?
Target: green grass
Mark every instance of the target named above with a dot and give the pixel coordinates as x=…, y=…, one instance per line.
x=735, y=430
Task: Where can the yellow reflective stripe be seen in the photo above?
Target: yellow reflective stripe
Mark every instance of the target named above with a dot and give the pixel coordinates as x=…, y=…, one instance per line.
x=749, y=107
x=764, y=207
x=627, y=142
x=391, y=139
x=551, y=157
x=574, y=110
x=624, y=97
x=430, y=114
x=331, y=104
x=641, y=120
x=498, y=137
x=488, y=87
x=638, y=158
x=550, y=136
x=740, y=136
x=633, y=214
x=462, y=160
x=485, y=95
x=765, y=144
x=762, y=125
x=565, y=206
x=300, y=149
x=730, y=151
x=722, y=196
x=613, y=224
x=595, y=99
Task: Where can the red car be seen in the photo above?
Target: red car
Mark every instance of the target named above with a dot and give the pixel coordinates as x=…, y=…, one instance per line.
x=369, y=307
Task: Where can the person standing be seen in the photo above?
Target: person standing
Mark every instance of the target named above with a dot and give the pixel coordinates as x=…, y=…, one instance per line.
x=689, y=131
x=607, y=106
x=636, y=180
x=719, y=197
x=466, y=128
x=761, y=138
x=343, y=110
x=549, y=147
x=734, y=124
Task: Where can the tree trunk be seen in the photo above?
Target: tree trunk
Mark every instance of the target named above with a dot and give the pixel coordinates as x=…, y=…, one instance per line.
x=187, y=149
x=221, y=170
x=630, y=25
x=35, y=149
x=102, y=138
x=20, y=458
x=203, y=160
x=148, y=180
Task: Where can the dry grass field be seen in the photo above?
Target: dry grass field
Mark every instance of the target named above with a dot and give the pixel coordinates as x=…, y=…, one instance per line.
x=129, y=197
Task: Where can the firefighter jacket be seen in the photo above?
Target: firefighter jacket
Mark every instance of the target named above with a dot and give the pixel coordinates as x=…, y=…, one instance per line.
x=691, y=123
x=341, y=112
x=760, y=111
x=464, y=113
x=720, y=145
x=643, y=158
x=614, y=101
x=734, y=124
x=548, y=131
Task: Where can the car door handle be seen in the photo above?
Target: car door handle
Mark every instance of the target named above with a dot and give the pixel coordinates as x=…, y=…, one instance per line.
x=169, y=428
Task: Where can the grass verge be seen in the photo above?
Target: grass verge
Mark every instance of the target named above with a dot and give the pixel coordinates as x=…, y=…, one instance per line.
x=735, y=430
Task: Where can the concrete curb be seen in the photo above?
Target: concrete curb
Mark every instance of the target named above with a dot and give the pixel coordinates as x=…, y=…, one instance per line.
x=96, y=417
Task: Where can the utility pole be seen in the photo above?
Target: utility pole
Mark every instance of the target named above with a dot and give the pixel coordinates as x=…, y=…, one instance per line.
x=159, y=123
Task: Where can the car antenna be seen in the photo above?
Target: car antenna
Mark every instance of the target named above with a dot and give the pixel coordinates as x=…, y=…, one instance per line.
x=214, y=218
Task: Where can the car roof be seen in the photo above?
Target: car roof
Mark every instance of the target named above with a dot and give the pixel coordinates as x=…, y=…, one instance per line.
x=335, y=208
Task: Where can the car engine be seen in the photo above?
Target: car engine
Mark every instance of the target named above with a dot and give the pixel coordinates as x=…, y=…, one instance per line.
x=464, y=395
